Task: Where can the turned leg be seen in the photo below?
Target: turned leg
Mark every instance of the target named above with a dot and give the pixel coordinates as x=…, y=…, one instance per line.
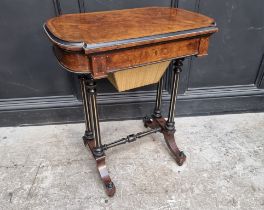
x=97, y=150
x=176, y=64
x=168, y=126
x=92, y=122
x=157, y=109
x=88, y=134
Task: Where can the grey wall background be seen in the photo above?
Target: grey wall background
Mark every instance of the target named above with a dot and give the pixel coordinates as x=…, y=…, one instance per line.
x=35, y=90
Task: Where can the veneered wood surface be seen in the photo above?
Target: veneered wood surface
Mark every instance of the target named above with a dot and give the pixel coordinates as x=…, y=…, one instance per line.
x=72, y=61
x=203, y=47
x=99, y=27
x=127, y=58
x=104, y=42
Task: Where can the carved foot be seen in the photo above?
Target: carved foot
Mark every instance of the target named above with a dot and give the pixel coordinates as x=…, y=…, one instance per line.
x=179, y=156
x=171, y=143
x=108, y=184
x=101, y=166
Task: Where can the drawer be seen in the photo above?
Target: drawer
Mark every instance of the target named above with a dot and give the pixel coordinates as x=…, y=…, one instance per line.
x=111, y=61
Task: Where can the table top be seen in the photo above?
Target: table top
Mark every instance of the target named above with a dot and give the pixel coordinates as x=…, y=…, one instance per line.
x=112, y=29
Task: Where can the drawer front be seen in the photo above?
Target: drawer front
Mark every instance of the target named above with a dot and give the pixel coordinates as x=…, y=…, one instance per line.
x=127, y=58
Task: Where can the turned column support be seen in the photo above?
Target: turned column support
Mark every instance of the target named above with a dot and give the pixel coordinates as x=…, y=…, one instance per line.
x=157, y=109
x=91, y=86
x=177, y=69
x=88, y=134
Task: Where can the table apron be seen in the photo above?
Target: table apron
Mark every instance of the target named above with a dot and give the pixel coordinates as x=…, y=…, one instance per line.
x=103, y=63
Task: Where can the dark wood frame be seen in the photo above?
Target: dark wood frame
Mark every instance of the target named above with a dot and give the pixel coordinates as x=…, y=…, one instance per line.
x=156, y=123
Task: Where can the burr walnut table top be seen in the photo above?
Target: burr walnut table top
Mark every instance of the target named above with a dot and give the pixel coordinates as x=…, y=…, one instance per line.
x=116, y=25
x=111, y=26
x=103, y=42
